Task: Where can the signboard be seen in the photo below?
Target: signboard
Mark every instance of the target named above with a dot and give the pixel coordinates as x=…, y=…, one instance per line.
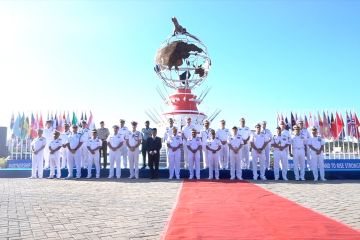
x=337, y=164
x=19, y=163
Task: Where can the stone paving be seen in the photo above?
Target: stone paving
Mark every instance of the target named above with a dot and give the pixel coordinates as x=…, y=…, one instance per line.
x=339, y=200
x=70, y=209
x=134, y=209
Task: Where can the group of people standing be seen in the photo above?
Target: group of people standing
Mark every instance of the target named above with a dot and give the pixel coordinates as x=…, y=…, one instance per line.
x=219, y=149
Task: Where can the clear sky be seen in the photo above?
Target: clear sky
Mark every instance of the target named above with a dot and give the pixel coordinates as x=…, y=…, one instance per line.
x=267, y=56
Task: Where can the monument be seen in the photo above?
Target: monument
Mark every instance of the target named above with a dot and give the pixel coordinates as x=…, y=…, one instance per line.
x=182, y=63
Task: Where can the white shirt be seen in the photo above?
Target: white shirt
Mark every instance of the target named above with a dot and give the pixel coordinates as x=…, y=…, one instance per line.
x=64, y=137
x=54, y=144
x=134, y=138
x=124, y=131
x=258, y=140
x=174, y=141
x=48, y=133
x=305, y=133
x=85, y=134
x=186, y=130
x=94, y=143
x=74, y=139
x=268, y=135
x=205, y=135
x=282, y=141
x=213, y=144
x=194, y=143
x=168, y=132
x=235, y=141
x=316, y=142
x=244, y=132
x=223, y=134
x=38, y=143
x=115, y=140
x=298, y=142
x=285, y=133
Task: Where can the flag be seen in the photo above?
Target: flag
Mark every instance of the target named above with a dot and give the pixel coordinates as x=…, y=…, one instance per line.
x=355, y=126
x=348, y=124
x=41, y=123
x=326, y=128
x=12, y=121
x=90, y=122
x=33, y=132
x=287, y=124
x=333, y=126
x=306, y=122
x=68, y=118
x=321, y=125
x=293, y=121
x=311, y=120
x=86, y=117
x=339, y=126
x=16, y=127
x=25, y=128
x=74, y=119
x=82, y=116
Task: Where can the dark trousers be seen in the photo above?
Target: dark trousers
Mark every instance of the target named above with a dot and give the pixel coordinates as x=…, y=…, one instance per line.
x=143, y=151
x=154, y=162
x=103, y=152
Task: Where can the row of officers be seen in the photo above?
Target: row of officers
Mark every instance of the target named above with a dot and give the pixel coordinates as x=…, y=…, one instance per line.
x=220, y=149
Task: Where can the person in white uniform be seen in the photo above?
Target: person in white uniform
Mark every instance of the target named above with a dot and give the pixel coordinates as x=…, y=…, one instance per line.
x=74, y=144
x=37, y=147
x=268, y=135
x=124, y=132
x=194, y=146
x=223, y=134
x=174, y=143
x=280, y=143
x=298, y=144
x=306, y=135
x=213, y=148
x=286, y=134
x=205, y=135
x=93, y=146
x=115, y=143
x=64, y=151
x=133, y=142
x=235, y=144
x=168, y=132
x=258, y=144
x=48, y=134
x=54, y=155
x=186, y=134
x=316, y=146
x=85, y=132
x=245, y=133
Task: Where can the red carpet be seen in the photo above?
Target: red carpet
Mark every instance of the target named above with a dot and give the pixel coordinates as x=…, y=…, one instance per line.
x=233, y=210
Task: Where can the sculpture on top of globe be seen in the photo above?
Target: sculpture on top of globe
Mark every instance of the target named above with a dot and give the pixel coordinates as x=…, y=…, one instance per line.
x=182, y=61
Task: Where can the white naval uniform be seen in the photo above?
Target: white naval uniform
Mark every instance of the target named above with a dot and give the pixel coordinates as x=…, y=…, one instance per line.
x=205, y=135
x=213, y=158
x=186, y=131
x=37, y=162
x=258, y=140
x=174, y=157
x=305, y=133
x=54, y=158
x=64, y=151
x=268, y=136
x=48, y=134
x=134, y=138
x=298, y=150
x=194, y=158
x=94, y=158
x=317, y=161
x=74, y=140
x=280, y=156
x=84, y=151
x=245, y=132
x=235, y=158
x=285, y=133
x=124, y=132
x=115, y=156
x=168, y=132
x=223, y=135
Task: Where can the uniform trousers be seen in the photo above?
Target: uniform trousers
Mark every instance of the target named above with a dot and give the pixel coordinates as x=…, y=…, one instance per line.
x=299, y=162
x=124, y=155
x=174, y=163
x=317, y=163
x=235, y=164
x=224, y=156
x=194, y=161
x=280, y=156
x=54, y=160
x=245, y=156
x=213, y=164
x=115, y=158
x=74, y=158
x=134, y=163
x=261, y=158
x=94, y=159
x=37, y=165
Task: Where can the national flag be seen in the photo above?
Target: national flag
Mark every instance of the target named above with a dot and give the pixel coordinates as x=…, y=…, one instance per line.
x=68, y=118
x=348, y=124
x=306, y=123
x=16, y=127
x=326, y=127
x=25, y=128
x=287, y=123
x=74, y=119
x=12, y=121
x=311, y=120
x=41, y=123
x=85, y=118
x=33, y=132
x=338, y=126
x=321, y=125
x=293, y=121
x=333, y=126
x=82, y=116
x=90, y=122
x=355, y=126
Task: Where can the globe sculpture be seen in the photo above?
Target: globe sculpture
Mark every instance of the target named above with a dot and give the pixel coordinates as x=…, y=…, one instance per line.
x=182, y=63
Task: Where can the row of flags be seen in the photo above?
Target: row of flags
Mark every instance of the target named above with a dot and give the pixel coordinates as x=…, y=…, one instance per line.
x=331, y=125
x=23, y=126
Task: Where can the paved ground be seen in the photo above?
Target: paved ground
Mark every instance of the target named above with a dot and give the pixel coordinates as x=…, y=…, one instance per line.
x=70, y=209
x=339, y=200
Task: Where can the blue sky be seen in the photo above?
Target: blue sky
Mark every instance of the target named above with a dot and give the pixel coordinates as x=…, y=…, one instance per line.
x=268, y=56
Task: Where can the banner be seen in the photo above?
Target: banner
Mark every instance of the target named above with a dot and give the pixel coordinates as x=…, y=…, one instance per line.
x=336, y=164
